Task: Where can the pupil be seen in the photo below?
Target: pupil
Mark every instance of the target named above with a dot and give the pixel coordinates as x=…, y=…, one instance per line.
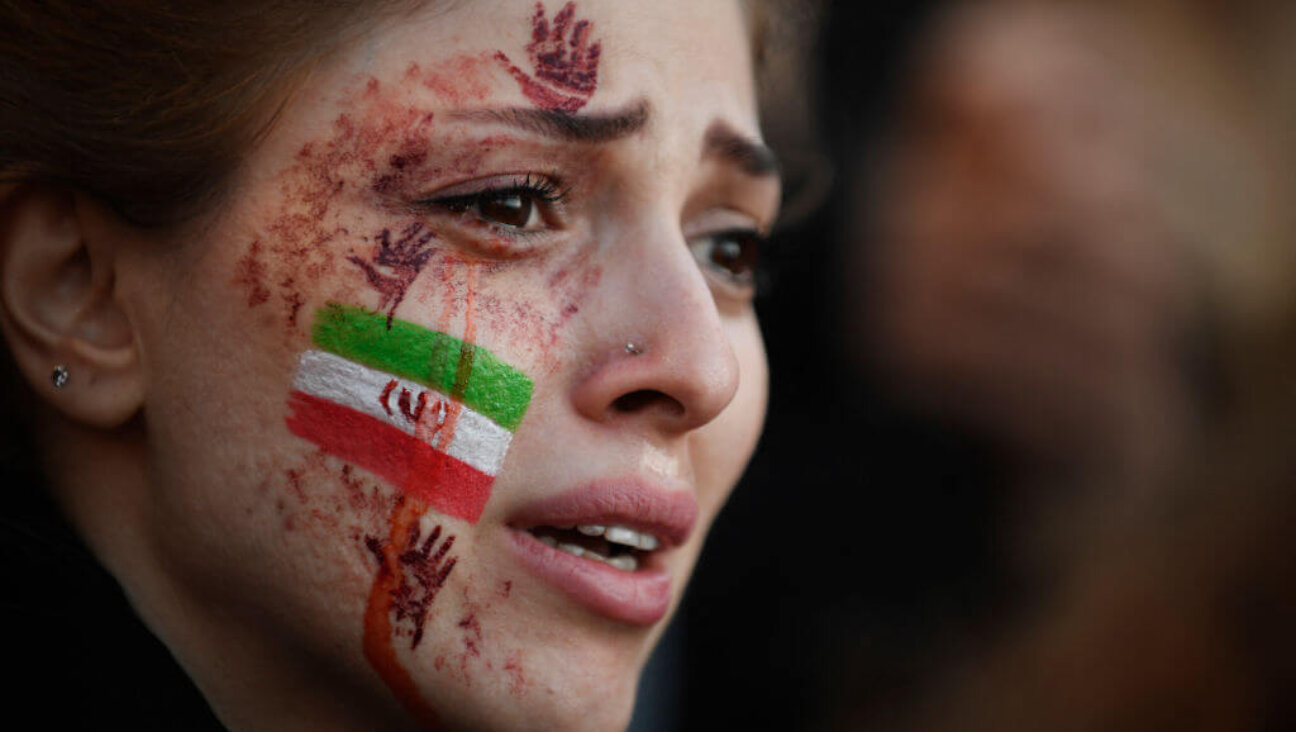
x=729, y=254
x=511, y=210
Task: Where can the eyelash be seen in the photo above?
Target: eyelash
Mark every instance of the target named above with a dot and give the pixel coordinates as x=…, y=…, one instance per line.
x=537, y=190
x=547, y=193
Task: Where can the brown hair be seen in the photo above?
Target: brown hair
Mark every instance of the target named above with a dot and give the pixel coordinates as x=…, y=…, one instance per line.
x=149, y=105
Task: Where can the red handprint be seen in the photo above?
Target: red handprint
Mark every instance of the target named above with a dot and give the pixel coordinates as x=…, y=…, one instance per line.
x=423, y=572
x=404, y=258
x=563, y=57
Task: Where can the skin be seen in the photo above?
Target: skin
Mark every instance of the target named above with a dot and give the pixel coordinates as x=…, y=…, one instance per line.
x=244, y=547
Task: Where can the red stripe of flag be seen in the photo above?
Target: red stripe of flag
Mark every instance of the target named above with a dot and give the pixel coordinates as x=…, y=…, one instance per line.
x=450, y=486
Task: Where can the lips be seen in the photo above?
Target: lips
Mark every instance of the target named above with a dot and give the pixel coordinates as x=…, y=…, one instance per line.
x=604, y=545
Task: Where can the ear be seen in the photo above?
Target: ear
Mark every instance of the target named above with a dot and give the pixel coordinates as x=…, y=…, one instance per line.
x=59, y=306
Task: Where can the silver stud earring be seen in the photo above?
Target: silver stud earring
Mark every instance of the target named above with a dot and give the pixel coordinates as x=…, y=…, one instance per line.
x=60, y=376
x=633, y=350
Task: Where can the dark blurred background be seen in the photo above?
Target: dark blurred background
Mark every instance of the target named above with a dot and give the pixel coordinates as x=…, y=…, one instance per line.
x=1028, y=458
x=861, y=533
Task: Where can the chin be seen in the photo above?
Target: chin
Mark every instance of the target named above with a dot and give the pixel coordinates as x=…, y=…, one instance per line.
x=526, y=636
x=579, y=684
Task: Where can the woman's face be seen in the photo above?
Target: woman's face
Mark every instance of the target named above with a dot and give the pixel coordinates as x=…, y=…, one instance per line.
x=486, y=280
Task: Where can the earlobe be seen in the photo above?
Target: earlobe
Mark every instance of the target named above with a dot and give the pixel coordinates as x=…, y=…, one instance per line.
x=59, y=305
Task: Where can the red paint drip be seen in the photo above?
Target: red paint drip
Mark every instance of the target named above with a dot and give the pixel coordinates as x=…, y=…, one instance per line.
x=378, y=648
x=250, y=272
x=403, y=555
x=563, y=60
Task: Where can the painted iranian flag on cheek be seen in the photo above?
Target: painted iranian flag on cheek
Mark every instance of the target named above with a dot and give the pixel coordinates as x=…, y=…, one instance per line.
x=423, y=410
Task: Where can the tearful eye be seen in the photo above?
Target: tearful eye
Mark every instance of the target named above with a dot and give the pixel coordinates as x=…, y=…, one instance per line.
x=514, y=204
x=512, y=209
x=733, y=255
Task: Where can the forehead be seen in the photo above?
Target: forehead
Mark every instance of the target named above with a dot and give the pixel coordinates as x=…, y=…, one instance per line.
x=687, y=58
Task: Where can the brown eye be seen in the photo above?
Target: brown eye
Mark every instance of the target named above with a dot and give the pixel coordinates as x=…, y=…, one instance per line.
x=513, y=210
x=732, y=255
x=520, y=208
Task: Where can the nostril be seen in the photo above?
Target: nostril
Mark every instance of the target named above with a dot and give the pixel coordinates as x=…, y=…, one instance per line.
x=644, y=399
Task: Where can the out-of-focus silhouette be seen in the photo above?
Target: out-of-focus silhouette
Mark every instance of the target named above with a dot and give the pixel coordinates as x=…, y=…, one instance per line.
x=1080, y=250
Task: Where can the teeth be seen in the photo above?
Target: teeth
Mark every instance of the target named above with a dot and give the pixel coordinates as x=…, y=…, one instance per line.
x=625, y=563
x=574, y=549
x=577, y=550
x=620, y=535
x=630, y=537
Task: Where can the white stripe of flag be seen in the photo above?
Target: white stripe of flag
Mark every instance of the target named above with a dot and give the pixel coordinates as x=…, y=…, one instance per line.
x=478, y=441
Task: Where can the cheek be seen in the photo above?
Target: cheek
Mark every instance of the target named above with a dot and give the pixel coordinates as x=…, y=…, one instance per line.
x=221, y=452
x=523, y=310
x=722, y=448
x=238, y=508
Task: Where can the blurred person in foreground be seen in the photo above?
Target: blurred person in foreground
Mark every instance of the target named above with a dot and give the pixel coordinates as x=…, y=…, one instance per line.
x=1029, y=280
x=1083, y=254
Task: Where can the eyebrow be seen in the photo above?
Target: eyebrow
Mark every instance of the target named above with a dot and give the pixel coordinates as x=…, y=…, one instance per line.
x=559, y=125
x=753, y=157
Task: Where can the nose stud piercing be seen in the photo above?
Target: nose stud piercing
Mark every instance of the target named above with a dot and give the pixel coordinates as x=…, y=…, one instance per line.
x=60, y=376
x=633, y=350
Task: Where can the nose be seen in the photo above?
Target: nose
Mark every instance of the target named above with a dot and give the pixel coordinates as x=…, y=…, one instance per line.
x=659, y=356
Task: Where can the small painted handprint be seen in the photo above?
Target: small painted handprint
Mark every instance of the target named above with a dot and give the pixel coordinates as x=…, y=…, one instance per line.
x=564, y=61
x=423, y=567
x=403, y=258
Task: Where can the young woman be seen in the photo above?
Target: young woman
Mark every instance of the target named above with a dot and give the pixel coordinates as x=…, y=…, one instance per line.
x=393, y=357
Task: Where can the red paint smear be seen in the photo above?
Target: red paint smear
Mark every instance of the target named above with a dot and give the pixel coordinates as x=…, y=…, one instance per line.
x=454, y=407
x=378, y=647
x=250, y=272
x=376, y=146
x=295, y=482
x=565, y=69
x=362, y=496
x=295, y=302
x=450, y=486
x=517, y=677
x=458, y=80
x=472, y=633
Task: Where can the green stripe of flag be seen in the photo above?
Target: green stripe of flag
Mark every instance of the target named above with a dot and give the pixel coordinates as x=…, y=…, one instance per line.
x=468, y=373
